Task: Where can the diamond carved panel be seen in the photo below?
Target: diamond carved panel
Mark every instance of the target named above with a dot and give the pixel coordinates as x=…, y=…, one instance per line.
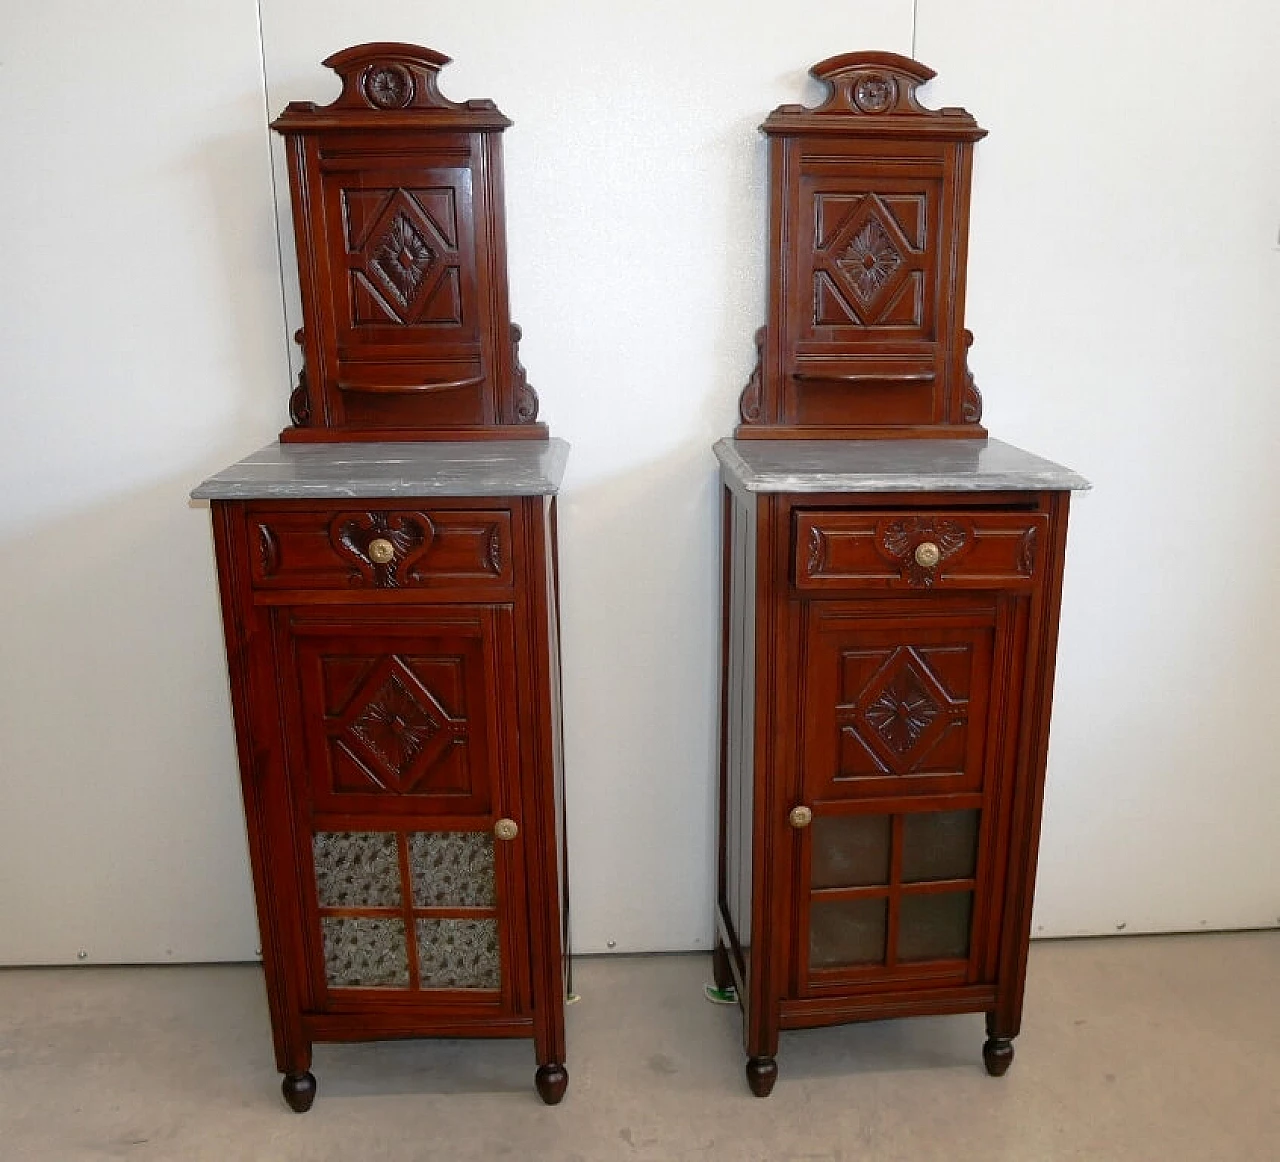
x=869, y=260
x=401, y=259
x=400, y=727
x=902, y=713
x=403, y=251
x=903, y=710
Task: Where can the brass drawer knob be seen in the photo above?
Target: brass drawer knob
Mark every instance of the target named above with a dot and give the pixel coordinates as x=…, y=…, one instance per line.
x=927, y=554
x=506, y=829
x=800, y=817
x=382, y=550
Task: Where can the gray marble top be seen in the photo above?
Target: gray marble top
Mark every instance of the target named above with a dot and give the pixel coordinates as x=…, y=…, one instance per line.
x=889, y=466
x=428, y=468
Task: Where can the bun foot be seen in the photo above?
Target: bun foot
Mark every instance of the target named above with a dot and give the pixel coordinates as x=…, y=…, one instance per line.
x=552, y=1081
x=997, y=1055
x=762, y=1072
x=299, y=1091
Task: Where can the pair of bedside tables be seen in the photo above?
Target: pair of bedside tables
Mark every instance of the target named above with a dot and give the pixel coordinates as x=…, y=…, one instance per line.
x=389, y=589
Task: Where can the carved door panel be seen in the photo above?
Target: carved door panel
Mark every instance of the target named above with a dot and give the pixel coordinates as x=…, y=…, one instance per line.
x=402, y=737
x=863, y=310
x=904, y=733
x=896, y=700
x=407, y=314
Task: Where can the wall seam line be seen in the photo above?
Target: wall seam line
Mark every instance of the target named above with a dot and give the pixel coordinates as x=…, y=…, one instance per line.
x=275, y=195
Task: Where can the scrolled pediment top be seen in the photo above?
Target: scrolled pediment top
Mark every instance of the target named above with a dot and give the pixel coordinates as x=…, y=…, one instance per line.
x=390, y=82
x=873, y=87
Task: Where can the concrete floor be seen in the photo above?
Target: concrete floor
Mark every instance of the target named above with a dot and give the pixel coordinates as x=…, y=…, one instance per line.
x=1155, y=1048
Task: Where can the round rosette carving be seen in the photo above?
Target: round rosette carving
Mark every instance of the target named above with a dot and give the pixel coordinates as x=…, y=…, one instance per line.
x=875, y=92
x=388, y=86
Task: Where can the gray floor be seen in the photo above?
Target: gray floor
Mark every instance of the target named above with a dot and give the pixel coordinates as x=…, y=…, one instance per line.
x=1160, y=1048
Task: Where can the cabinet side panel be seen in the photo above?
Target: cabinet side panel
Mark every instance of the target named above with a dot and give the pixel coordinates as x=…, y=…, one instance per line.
x=1006, y=1020
x=260, y=753
x=541, y=772
x=738, y=773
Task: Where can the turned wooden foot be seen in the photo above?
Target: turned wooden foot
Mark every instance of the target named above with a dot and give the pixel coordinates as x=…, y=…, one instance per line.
x=299, y=1090
x=721, y=973
x=997, y=1055
x=551, y=1080
x=762, y=1072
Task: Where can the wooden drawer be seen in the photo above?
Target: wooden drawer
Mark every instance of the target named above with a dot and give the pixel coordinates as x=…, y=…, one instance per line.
x=379, y=548
x=970, y=550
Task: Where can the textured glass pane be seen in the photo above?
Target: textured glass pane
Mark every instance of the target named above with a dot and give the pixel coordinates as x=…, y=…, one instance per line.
x=452, y=869
x=458, y=954
x=939, y=845
x=360, y=952
x=935, y=927
x=850, y=851
x=845, y=932
x=357, y=869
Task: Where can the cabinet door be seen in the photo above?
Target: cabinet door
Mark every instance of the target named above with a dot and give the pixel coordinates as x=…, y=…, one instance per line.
x=904, y=723
x=401, y=737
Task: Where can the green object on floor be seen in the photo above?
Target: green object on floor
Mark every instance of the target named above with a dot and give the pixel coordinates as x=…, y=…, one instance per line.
x=719, y=996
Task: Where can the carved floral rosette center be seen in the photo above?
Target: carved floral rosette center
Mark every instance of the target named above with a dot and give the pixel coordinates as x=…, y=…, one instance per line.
x=874, y=92
x=388, y=86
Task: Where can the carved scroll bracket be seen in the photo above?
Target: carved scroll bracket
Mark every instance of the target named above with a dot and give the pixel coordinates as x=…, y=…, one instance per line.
x=749, y=400
x=526, y=397
x=971, y=397
x=300, y=397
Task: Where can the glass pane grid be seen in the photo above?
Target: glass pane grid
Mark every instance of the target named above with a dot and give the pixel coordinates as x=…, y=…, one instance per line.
x=850, y=851
x=361, y=952
x=939, y=845
x=934, y=927
x=893, y=888
x=357, y=869
x=847, y=932
x=365, y=910
x=452, y=869
x=458, y=954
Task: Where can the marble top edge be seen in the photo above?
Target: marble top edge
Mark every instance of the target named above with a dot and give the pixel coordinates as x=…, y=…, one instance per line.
x=367, y=470
x=965, y=465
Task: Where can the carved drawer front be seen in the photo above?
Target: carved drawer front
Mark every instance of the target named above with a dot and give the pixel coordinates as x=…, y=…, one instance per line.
x=917, y=550
x=380, y=548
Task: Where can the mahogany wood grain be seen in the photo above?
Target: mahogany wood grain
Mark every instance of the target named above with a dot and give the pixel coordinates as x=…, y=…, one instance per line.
x=996, y=767
x=887, y=658
x=495, y=660
x=394, y=663
x=399, y=221
x=868, y=234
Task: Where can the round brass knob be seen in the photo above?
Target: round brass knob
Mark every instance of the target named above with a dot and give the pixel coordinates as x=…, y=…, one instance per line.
x=382, y=550
x=506, y=829
x=928, y=554
x=800, y=817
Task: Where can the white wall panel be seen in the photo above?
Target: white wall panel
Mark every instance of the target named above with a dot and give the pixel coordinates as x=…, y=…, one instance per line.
x=1124, y=291
x=140, y=348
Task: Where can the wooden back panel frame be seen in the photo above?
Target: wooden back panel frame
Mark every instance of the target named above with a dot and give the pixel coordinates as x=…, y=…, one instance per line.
x=868, y=238
x=400, y=228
